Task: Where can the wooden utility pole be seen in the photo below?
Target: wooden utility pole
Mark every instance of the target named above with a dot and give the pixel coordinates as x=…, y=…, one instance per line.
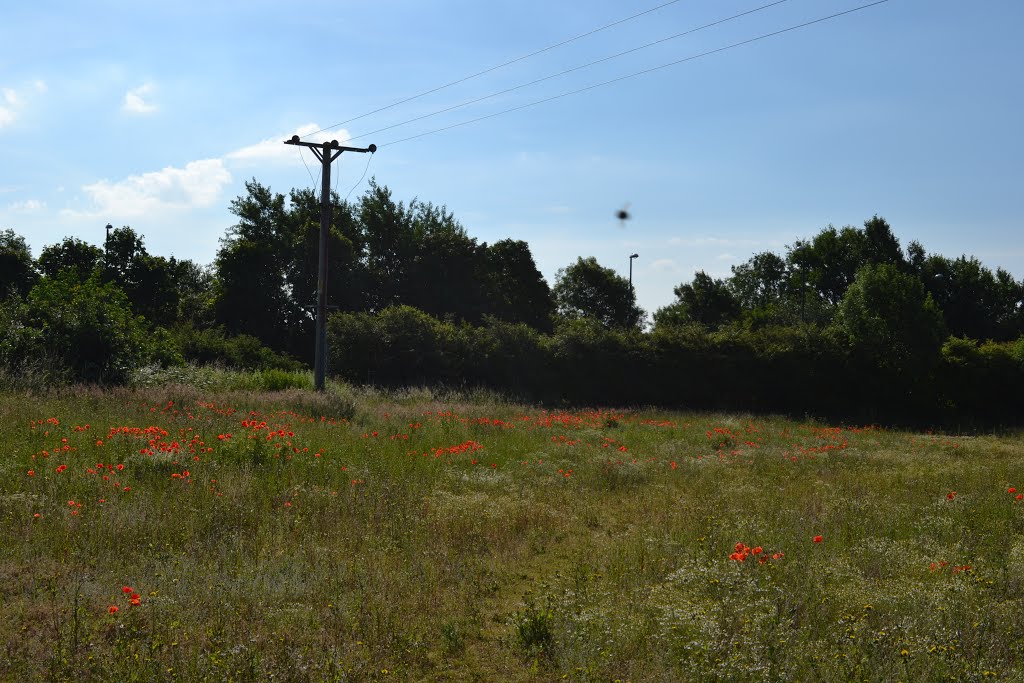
x=326, y=152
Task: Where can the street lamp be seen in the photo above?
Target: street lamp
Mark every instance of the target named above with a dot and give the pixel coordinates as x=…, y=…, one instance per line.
x=631, y=257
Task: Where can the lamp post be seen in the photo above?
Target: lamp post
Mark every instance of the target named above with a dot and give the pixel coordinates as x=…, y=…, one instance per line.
x=631, y=257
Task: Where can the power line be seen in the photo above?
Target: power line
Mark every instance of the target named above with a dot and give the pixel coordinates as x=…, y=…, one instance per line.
x=569, y=71
x=637, y=73
x=367, y=168
x=307, y=170
x=495, y=68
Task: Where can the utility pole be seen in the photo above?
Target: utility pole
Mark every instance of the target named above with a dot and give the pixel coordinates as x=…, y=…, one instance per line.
x=326, y=152
x=631, y=257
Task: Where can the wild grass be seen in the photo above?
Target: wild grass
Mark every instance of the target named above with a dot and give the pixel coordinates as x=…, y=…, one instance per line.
x=369, y=535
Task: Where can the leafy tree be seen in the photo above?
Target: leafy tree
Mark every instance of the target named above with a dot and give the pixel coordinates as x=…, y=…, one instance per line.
x=122, y=249
x=676, y=314
x=760, y=282
x=88, y=327
x=148, y=281
x=975, y=302
x=827, y=263
x=516, y=290
x=881, y=245
x=706, y=300
x=196, y=296
x=252, y=268
x=80, y=258
x=251, y=297
x=586, y=289
x=888, y=316
x=17, y=274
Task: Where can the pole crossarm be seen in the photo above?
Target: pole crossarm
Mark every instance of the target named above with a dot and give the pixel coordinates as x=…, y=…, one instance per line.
x=332, y=145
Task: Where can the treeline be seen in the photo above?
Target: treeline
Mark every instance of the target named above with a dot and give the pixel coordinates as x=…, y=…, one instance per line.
x=85, y=313
x=846, y=321
x=796, y=369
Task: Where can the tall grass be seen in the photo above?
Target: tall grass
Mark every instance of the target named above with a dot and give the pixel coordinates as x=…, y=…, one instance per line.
x=368, y=535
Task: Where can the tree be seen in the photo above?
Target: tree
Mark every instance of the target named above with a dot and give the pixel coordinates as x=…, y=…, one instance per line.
x=889, y=317
x=17, y=274
x=147, y=280
x=881, y=245
x=196, y=296
x=586, y=289
x=516, y=290
x=252, y=268
x=827, y=264
x=975, y=302
x=708, y=301
x=80, y=258
x=760, y=282
x=87, y=327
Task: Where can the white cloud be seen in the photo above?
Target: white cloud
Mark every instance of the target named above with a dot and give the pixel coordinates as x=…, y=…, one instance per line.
x=7, y=112
x=726, y=257
x=664, y=265
x=13, y=101
x=134, y=102
x=711, y=242
x=196, y=186
x=273, y=150
x=27, y=206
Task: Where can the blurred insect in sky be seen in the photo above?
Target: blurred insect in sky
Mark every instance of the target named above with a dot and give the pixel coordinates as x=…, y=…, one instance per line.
x=623, y=215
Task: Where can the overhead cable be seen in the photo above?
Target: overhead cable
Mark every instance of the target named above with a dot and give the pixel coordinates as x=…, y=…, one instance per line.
x=495, y=68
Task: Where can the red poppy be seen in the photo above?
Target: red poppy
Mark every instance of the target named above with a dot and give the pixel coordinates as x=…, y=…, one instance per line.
x=113, y=609
x=818, y=539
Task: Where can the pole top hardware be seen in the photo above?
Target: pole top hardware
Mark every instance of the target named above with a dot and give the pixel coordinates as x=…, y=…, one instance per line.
x=333, y=144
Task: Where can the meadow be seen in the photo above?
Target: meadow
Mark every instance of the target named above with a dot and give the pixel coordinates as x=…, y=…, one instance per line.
x=177, y=532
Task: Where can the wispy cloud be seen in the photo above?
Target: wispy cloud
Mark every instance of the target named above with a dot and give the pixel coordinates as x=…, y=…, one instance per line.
x=27, y=206
x=273, y=149
x=13, y=101
x=197, y=185
x=135, y=100
x=664, y=265
x=714, y=242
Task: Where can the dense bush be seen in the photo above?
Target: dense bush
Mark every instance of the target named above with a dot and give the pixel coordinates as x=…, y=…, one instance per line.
x=86, y=327
x=212, y=347
x=792, y=369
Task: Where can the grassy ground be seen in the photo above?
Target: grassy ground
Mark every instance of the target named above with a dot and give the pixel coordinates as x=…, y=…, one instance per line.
x=365, y=536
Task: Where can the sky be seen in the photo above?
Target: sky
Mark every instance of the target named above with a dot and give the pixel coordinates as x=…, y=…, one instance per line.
x=155, y=114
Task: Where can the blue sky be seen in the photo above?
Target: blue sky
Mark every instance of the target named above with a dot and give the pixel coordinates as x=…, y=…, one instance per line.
x=154, y=115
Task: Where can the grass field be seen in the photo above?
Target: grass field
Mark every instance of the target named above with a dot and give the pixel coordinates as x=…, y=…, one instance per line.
x=361, y=535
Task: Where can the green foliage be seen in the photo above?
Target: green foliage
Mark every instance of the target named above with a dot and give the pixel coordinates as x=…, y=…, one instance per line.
x=17, y=274
x=212, y=346
x=72, y=254
x=87, y=327
x=587, y=289
x=975, y=302
x=706, y=300
x=889, y=317
x=381, y=253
